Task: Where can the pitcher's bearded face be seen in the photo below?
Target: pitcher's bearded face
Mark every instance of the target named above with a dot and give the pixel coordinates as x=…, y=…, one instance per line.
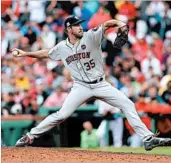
x=77, y=31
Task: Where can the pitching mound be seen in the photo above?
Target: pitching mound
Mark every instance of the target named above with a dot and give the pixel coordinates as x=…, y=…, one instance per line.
x=34, y=154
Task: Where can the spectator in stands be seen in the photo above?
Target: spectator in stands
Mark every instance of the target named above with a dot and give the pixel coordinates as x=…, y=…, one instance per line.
x=126, y=65
x=151, y=66
x=41, y=93
x=9, y=102
x=152, y=95
x=34, y=107
x=157, y=47
x=11, y=33
x=19, y=95
x=111, y=79
x=167, y=94
x=5, y=5
x=26, y=102
x=49, y=22
x=24, y=15
x=6, y=84
x=165, y=60
x=155, y=80
x=100, y=17
x=167, y=77
x=31, y=35
x=163, y=82
x=51, y=6
x=130, y=57
x=110, y=6
x=167, y=41
x=40, y=69
x=24, y=43
x=128, y=88
x=57, y=79
x=135, y=73
x=155, y=7
x=141, y=28
x=138, y=45
x=154, y=11
x=49, y=37
x=89, y=137
x=38, y=45
x=117, y=71
x=30, y=24
x=37, y=7
x=168, y=65
x=16, y=109
x=83, y=13
x=165, y=23
x=22, y=80
x=127, y=9
x=112, y=120
x=4, y=44
x=92, y=6
x=56, y=99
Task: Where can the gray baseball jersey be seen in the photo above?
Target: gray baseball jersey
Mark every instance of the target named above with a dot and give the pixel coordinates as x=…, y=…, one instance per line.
x=84, y=59
x=85, y=63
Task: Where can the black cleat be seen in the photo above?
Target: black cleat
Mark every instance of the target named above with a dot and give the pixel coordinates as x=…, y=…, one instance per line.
x=24, y=141
x=154, y=141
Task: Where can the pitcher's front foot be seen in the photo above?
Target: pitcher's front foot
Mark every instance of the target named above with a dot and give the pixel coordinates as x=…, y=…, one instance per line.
x=154, y=141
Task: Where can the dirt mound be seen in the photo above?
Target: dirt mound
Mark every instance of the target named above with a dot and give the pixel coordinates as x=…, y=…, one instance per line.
x=34, y=154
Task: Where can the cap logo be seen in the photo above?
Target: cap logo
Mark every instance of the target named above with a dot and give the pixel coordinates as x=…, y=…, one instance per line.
x=76, y=18
x=68, y=24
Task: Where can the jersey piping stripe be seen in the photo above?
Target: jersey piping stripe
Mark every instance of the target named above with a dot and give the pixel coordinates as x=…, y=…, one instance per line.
x=68, y=45
x=82, y=65
x=79, y=71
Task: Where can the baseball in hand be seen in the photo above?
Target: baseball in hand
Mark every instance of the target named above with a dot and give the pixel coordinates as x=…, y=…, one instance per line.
x=15, y=52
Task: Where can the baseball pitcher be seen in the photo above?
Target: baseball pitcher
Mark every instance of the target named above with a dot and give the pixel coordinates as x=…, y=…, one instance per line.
x=82, y=56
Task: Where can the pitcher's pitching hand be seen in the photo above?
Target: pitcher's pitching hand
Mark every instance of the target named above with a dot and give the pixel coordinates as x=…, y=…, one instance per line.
x=18, y=53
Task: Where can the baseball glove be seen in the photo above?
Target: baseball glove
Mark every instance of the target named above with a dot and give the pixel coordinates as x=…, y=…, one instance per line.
x=122, y=37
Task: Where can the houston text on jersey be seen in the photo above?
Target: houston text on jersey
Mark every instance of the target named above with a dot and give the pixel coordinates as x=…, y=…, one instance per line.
x=77, y=56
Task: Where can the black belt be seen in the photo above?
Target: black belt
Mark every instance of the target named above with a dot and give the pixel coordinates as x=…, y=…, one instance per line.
x=95, y=81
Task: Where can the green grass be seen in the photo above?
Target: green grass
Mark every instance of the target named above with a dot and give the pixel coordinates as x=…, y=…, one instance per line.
x=158, y=150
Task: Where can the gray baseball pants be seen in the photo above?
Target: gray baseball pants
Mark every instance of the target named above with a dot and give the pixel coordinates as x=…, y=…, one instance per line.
x=80, y=93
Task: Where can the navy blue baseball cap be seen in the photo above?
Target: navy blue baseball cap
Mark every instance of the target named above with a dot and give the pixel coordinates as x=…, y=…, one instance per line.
x=72, y=20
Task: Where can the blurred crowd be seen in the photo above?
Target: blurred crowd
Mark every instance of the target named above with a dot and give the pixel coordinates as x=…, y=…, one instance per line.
x=141, y=69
